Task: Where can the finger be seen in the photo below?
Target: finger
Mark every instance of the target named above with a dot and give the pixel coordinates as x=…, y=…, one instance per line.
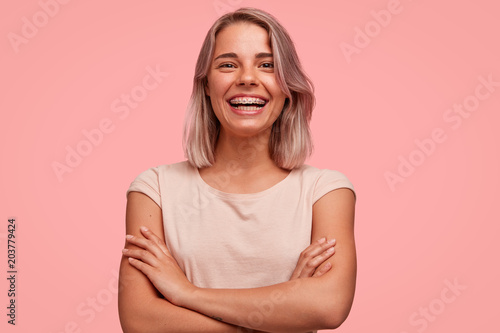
x=145, y=244
x=319, y=247
x=152, y=236
x=322, y=270
x=318, y=260
x=315, y=262
x=142, y=255
x=143, y=267
x=313, y=256
x=304, y=256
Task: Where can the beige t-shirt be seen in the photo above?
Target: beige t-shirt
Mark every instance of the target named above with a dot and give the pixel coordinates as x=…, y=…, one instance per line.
x=228, y=240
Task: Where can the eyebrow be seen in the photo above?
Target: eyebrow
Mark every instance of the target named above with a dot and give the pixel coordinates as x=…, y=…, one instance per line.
x=234, y=55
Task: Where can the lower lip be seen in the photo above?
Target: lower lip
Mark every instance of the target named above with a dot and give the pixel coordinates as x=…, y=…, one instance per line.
x=247, y=113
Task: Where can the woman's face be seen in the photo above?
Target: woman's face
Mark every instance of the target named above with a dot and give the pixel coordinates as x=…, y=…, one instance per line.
x=242, y=85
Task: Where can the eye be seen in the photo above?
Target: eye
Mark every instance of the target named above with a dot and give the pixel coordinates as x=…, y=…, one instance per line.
x=226, y=65
x=267, y=65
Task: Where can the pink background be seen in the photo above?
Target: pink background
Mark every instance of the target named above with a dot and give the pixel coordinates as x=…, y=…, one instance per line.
x=437, y=223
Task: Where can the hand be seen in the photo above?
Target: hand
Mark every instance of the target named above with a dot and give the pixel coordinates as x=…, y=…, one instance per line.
x=155, y=261
x=312, y=257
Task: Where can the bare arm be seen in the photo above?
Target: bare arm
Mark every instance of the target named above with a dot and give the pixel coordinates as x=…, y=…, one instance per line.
x=304, y=304
x=141, y=308
x=295, y=306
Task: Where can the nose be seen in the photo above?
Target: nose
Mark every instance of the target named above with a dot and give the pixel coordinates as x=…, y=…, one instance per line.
x=247, y=77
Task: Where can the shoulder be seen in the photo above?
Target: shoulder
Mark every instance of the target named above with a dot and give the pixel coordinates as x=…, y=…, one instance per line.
x=150, y=181
x=153, y=174
x=323, y=181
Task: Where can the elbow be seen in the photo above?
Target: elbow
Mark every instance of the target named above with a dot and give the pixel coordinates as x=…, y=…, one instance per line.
x=136, y=318
x=129, y=329
x=129, y=325
x=134, y=325
x=333, y=315
x=131, y=318
x=333, y=322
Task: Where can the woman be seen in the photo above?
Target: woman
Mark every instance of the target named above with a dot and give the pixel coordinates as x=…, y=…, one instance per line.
x=241, y=236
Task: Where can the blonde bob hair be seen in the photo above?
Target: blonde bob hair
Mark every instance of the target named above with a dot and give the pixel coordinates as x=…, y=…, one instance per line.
x=290, y=142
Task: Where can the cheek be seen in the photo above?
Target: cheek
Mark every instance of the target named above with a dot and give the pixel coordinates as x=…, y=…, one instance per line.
x=274, y=88
x=221, y=82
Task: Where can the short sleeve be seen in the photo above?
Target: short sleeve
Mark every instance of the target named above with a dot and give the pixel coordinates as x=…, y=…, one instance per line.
x=330, y=180
x=147, y=183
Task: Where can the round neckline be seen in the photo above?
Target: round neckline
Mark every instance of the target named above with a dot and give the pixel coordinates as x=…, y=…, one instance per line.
x=230, y=195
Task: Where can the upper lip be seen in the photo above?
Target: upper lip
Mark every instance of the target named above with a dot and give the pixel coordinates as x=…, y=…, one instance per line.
x=247, y=95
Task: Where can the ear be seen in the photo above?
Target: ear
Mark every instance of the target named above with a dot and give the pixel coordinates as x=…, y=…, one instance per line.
x=207, y=89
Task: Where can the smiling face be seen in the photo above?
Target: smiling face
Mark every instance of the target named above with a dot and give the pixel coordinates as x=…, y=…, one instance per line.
x=242, y=86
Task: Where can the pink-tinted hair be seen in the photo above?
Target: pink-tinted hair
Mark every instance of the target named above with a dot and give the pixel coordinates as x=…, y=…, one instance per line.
x=290, y=142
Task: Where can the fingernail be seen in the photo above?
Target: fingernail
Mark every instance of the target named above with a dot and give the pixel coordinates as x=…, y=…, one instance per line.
x=330, y=250
x=331, y=241
x=129, y=236
x=322, y=240
x=124, y=250
x=144, y=228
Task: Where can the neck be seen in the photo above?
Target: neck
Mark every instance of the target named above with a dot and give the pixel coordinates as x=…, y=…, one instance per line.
x=243, y=154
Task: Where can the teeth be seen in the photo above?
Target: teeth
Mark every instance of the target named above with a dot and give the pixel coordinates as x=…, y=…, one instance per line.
x=247, y=100
x=249, y=108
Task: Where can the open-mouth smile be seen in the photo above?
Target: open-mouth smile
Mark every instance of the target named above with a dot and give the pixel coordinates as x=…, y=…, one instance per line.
x=247, y=104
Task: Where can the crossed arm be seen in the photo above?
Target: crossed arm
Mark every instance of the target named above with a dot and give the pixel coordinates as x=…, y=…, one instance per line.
x=319, y=295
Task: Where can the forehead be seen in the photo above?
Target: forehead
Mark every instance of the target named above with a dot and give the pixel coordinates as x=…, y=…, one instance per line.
x=242, y=37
